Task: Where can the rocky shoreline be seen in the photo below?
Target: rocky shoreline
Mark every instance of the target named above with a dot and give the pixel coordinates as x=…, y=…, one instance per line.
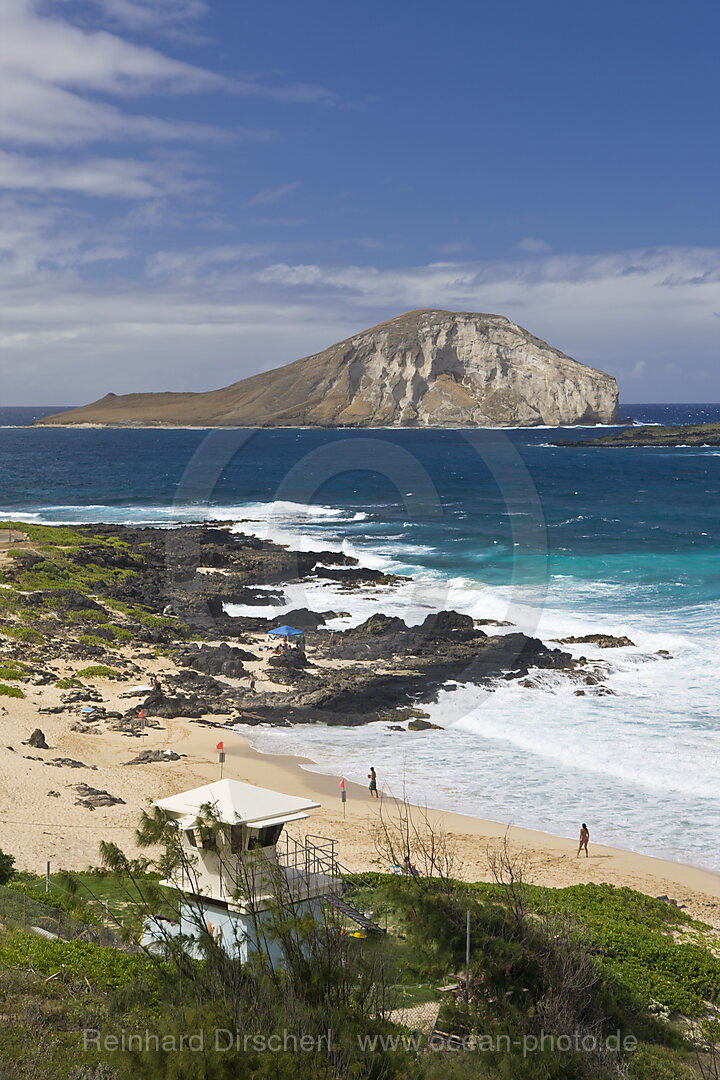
x=654, y=435
x=115, y=599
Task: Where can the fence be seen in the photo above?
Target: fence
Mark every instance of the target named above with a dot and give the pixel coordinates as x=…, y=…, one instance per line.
x=20, y=911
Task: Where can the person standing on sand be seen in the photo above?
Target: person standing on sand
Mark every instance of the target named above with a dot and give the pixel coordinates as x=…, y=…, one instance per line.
x=252, y=684
x=373, y=783
x=584, y=839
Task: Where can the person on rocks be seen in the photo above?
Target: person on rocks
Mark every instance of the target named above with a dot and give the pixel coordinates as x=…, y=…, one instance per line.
x=584, y=839
x=252, y=684
x=372, y=777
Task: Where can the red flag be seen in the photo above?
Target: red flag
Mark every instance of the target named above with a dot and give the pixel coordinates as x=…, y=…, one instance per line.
x=142, y=713
x=219, y=746
x=342, y=782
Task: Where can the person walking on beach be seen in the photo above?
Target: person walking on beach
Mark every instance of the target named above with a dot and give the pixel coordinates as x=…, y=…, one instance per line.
x=584, y=838
x=373, y=783
x=252, y=684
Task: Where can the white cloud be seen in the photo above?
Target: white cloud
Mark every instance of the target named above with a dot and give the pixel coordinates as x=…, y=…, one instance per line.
x=51, y=70
x=117, y=177
x=453, y=247
x=623, y=277
x=55, y=77
x=40, y=247
x=40, y=114
x=282, y=222
x=205, y=317
x=187, y=265
x=54, y=51
x=272, y=194
x=152, y=14
x=534, y=246
x=297, y=93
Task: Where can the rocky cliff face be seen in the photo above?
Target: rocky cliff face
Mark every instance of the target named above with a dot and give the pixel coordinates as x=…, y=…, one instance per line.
x=421, y=369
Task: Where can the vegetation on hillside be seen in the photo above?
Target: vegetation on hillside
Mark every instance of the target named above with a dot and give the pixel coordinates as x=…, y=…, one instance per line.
x=68, y=585
x=588, y=982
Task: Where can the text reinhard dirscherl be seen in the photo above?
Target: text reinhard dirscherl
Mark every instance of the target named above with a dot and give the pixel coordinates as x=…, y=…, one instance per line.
x=224, y=1040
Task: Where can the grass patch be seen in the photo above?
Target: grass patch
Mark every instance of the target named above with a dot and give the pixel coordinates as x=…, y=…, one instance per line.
x=10, y=600
x=93, y=639
x=23, y=633
x=104, y=968
x=12, y=670
x=49, y=536
x=97, y=671
x=633, y=936
x=120, y=605
x=87, y=615
x=34, y=889
x=10, y=691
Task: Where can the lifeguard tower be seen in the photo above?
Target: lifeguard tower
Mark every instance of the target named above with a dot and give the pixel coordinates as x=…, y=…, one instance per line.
x=238, y=867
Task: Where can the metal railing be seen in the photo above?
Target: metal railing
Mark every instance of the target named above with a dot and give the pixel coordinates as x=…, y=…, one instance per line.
x=312, y=855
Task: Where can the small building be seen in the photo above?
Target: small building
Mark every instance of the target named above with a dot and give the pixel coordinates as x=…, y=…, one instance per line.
x=238, y=868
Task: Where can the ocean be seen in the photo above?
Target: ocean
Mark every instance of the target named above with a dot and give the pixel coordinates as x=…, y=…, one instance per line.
x=498, y=524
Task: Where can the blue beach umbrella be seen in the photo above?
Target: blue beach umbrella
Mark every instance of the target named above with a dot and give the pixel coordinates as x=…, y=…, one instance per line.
x=285, y=631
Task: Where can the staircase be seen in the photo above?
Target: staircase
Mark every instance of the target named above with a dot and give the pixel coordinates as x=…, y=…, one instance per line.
x=352, y=913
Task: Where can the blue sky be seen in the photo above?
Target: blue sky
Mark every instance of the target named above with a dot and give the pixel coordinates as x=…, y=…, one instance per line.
x=194, y=190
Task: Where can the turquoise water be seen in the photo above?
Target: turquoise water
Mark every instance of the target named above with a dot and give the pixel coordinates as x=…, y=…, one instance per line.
x=501, y=525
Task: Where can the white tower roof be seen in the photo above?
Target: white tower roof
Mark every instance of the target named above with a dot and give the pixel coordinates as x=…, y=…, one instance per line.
x=236, y=803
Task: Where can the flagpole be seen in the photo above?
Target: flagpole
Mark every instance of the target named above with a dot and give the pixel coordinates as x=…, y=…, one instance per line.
x=221, y=755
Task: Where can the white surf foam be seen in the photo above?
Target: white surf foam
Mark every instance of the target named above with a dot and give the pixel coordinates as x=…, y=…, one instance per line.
x=543, y=758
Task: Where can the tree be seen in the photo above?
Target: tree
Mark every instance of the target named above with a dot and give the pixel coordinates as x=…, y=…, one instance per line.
x=407, y=837
x=325, y=988
x=7, y=867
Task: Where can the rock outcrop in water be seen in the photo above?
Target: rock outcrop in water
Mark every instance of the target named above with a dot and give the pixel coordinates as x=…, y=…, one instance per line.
x=421, y=369
x=655, y=435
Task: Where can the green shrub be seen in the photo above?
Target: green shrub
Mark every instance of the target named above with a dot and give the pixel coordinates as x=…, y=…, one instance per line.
x=23, y=633
x=12, y=671
x=93, y=616
x=119, y=605
x=97, y=671
x=104, y=633
x=632, y=935
x=86, y=615
x=48, y=536
x=20, y=555
x=7, y=867
x=11, y=600
x=10, y=691
x=69, y=684
x=157, y=622
x=92, y=639
x=104, y=968
x=47, y=571
x=54, y=898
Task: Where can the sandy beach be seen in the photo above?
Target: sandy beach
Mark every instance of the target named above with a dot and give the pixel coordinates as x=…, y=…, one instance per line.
x=43, y=816
x=41, y=820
